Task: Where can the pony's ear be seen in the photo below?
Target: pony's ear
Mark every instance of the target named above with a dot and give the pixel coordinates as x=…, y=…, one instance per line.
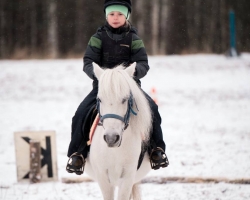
x=97, y=70
x=131, y=69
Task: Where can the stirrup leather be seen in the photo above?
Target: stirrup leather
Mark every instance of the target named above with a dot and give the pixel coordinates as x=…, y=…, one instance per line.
x=76, y=164
x=158, y=158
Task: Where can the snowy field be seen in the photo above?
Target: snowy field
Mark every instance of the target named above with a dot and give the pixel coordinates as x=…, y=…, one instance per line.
x=204, y=101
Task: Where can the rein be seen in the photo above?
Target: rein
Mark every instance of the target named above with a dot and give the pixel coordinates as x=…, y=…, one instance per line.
x=124, y=119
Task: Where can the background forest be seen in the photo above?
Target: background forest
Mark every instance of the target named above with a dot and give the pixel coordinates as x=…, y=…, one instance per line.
x=62, y=28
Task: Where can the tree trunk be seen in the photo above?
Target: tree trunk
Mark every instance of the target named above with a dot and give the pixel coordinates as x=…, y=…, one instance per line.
x=198, y=25
x=139, y=17
x=155, y=26
x=33, y=27
x=2, y=29
x=52, y=30
x=163, y=29
x=206, y=18
x=79, y=27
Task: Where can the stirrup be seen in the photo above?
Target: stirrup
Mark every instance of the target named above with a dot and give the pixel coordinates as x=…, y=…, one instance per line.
x=76, y=164
x=158, y=158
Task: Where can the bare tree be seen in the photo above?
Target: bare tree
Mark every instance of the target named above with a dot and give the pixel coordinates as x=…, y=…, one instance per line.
x=155, y=26
x=139, y=16
x=224, y=25
x=2, y=29
x=52, y=30
x=79, y=28
x=33, y=26
x=163, y=26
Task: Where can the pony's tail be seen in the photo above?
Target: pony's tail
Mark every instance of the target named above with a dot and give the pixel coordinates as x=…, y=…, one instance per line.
x=136, y=192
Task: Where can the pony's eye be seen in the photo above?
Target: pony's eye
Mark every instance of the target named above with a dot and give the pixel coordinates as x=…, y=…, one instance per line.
x=98, y=99
x=124, y=100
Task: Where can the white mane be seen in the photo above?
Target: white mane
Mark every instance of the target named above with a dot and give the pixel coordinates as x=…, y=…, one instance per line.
x=117, y=84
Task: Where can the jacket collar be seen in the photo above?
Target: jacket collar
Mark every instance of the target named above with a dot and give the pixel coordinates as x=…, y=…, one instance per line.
x=121, y=30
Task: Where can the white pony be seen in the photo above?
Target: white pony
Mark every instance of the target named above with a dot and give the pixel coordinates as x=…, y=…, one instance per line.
x=125, y=117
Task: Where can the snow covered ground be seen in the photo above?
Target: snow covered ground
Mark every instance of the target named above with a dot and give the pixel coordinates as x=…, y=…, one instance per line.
x=204, y=101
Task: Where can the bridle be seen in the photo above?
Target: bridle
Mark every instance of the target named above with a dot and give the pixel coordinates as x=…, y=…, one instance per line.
x=124, y=119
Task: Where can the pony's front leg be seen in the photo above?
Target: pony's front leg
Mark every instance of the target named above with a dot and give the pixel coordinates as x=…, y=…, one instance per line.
x=125, y=189
x=107, y=189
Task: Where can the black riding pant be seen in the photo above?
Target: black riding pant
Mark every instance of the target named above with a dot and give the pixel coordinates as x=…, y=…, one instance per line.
x=77, y=135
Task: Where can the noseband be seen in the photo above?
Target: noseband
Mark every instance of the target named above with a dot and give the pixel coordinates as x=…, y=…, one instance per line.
x=124, y=119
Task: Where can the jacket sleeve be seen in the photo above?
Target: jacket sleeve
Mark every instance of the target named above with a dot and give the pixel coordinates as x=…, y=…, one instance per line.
x=92, y=54
x=139, y=55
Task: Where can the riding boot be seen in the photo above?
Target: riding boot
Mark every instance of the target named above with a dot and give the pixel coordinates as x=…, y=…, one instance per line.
x=158, y=158
x=76, y=164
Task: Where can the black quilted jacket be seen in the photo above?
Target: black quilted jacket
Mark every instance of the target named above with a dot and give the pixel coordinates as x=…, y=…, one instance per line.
x=95, y=50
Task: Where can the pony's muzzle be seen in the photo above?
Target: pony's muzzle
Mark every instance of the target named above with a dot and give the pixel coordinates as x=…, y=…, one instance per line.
x=111, y=139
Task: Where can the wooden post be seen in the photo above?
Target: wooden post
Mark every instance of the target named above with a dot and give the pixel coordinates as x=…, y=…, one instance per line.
x=232, y=51
x=35, y=161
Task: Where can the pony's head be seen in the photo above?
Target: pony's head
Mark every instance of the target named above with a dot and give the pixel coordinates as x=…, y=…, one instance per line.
x=121, y=103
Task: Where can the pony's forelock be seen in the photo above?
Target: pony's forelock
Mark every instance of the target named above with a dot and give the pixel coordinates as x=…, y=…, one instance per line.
x=116, y=84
